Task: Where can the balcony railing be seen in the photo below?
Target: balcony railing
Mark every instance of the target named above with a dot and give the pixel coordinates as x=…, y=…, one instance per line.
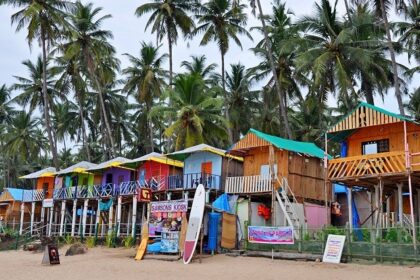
x=248, y=184
x=210, y=181
x=33, y=195
x=128, y=188
x=367, y=166
x=64, y=193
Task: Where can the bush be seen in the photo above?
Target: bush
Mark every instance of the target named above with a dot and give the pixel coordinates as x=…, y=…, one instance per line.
x=110, y=240
x=128, y=241
x=91, y=242
x=68, y=239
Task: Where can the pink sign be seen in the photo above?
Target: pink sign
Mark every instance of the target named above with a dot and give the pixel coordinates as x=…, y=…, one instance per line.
x=270, y=235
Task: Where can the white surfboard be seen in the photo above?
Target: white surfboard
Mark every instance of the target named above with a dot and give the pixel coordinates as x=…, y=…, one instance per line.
x=194, y=224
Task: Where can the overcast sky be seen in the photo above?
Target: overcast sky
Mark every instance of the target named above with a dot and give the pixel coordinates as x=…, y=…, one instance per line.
x=129, y=31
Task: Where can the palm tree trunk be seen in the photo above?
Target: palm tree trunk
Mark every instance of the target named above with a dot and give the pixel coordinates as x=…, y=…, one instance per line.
x=82, y=120
x=393, y=60
x=346, y=4
x=150, y=129
x=108, y=130
x=169, y=143
x=283, y=112
x=46, y=105
x=229, y=129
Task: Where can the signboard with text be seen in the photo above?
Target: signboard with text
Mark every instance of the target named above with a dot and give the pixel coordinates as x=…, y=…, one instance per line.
x=169, y=206
x=270, y=235
x=47, y=203
x=334, y=248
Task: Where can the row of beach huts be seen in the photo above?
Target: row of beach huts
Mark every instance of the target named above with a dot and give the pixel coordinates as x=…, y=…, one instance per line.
x=373, y=181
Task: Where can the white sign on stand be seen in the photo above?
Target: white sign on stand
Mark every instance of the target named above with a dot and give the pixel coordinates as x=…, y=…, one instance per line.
x=47, y=203
x=334, y=248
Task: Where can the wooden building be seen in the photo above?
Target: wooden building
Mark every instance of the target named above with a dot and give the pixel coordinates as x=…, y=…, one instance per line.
x=207, y=165
x=300, y=163
x=156, y=171
x=379, y=152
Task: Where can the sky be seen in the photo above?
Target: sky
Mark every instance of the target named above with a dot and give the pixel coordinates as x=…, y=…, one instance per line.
x=129, y=31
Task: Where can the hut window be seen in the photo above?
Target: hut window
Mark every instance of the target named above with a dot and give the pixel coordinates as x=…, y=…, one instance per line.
x=374, y=147
x=265, y=170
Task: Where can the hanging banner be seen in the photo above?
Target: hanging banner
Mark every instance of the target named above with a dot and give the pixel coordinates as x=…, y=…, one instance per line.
x=334, y=248
x=270, y=235
x=169, y=206
x=47, y=203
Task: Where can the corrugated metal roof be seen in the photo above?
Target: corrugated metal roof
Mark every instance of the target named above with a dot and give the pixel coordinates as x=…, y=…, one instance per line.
x=110, y=163
x=80, y=167
x=46, y=172
x=157, y=158
x=183, y=154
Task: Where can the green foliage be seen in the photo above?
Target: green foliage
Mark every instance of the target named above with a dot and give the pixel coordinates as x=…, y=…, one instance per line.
x=110, y=240
x=91, y=242
x=128, y=241
x=68, y=240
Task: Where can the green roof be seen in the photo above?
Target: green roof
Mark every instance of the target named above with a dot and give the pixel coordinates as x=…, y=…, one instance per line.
x=343, y=134
x=306, y=148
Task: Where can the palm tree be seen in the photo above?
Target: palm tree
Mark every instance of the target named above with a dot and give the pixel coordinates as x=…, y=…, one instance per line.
x=414, y=105
x=242, y=101
x=24, y=138
x=66, y=121
x=409, y=31
x=44, y=20
x=198, y=65
x=196, y=111
x=220, y=21
x=86, y=43
x=145, y=80
x=167, y=17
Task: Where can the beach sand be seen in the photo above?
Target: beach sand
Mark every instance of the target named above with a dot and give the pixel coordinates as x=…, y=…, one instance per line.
x=116, y=264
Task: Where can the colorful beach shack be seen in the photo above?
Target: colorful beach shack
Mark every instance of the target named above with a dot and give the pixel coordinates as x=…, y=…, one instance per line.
x=207, y=165
x=157, y=171
x=379, y=157
x=283, y=181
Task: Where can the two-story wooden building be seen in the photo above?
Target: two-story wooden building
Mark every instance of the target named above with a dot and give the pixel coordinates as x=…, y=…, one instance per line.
x=379, y=152
x=288, y=171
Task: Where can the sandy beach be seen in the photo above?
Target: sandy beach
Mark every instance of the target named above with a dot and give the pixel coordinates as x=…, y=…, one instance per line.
x=104, y=264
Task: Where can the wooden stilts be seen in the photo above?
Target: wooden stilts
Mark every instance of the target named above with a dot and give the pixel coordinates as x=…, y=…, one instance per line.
x=22, y=216
x=51, y=219
x=413, y=222
x=388, y=212
x=73, y=220
x=84, y=216
x=119, y=202
x=400, y=203
x=418, y=205
x=129, y=219
x=32, y=216
x=111, y=218
x=326, y=178
x=134, y=217
x=350, y=208
x=63, y=215
x=98, y=216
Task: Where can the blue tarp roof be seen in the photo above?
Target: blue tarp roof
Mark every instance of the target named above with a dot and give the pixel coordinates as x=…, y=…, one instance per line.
x=17, y=194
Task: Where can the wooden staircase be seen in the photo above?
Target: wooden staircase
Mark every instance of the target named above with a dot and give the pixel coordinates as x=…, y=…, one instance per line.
x=287, y=205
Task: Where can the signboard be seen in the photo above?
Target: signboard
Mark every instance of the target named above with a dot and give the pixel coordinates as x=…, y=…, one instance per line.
x=145, y=195
x=47, y=203
x=270, y=235
x=334, y=248
x=169, y=206
x=51, y=255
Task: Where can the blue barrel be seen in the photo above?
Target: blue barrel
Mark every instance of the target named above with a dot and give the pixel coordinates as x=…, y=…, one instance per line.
x=213, y=231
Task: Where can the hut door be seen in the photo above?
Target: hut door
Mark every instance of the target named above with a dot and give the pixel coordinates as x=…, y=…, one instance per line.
x=206, y=167
x=108, y=179
x=265, y=171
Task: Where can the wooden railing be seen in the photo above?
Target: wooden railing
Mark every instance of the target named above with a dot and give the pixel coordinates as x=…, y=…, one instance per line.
x=367, y=165
x=33, y=195
x=248, y=184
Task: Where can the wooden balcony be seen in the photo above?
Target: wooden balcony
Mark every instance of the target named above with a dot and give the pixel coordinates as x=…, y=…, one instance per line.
x=248, y=184
x=367, y=166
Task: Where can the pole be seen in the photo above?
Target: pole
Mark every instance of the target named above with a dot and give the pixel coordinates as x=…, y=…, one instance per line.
x=350, y=207
x=119, y=202
x=326, y=177
x=134, y=217
x=51, y=219
x=32, y=216
x=22, y=215
x=111, y=213
x=63, y=216
x=400, y=204
x=84, y=217
x=98, y=215
x=410, y=187
x=73, y=221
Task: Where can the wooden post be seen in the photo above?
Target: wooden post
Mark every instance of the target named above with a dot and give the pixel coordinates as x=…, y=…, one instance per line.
x=418, y=205
x=376, y=216
x=400, y=204
x=129, y=219
x=410, y=187
x=111, y=218
x=350, y=208
x=98, y=216
x=326, y=177
x=134, y=217
x=271, y=160
x=84, y=216
x=51, y=219
x=73, y=220
x=119, y=201
x=22, y=215
x=63, y=216
x=32, y=216
x=388, y=211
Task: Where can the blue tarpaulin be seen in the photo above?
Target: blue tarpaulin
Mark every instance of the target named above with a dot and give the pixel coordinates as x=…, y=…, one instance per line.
x=222, y=203
x=104, y=206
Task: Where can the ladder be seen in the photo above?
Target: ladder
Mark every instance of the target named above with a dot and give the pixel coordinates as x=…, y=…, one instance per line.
x=288, y=206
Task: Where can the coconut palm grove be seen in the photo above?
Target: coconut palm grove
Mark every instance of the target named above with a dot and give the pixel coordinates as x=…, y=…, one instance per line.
x=76, y=102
